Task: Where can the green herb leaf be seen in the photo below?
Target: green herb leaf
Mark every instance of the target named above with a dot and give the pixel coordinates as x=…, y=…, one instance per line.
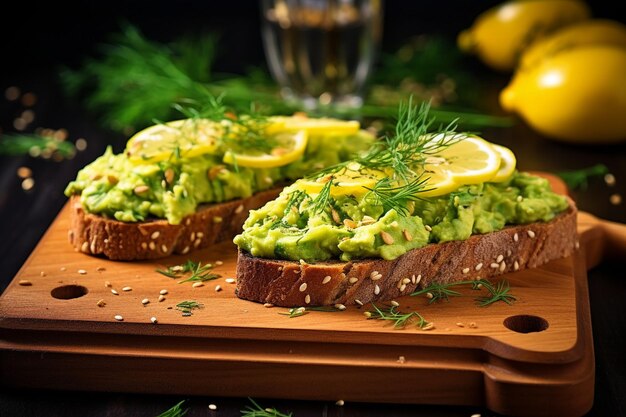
x=257, y=411
x=579, y=178
x=399, y=320
x=187, y=307
x=35, y=145
x=175, y=411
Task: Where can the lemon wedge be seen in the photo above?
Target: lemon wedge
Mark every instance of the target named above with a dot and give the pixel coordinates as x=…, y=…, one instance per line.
x=314, y=126
x=184, y=138
x=471, y=160
x=438, y=182
x=289, y=147
x=507, y=163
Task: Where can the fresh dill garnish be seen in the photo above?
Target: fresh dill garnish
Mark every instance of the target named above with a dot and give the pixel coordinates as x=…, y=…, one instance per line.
x=325, y=309
x=322, y=200
x=35, y=145
x=442, y=292
x=397, y=197
x=294, y=312
x=257, y=411
x=399, y=320
x=199, y=272
x=579, y=178
x=175, y=411
x=186, y=307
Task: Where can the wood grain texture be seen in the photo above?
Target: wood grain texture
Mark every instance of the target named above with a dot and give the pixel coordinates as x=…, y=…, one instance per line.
x=49, y=342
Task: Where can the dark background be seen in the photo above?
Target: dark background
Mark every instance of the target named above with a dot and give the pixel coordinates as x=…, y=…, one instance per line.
x=37, y=38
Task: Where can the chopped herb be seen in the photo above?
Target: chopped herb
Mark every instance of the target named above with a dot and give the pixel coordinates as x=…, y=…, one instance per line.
x=322, y=200
x=294, y=312
x=578, y=178
x=400, y=320
x=199, y=272
x=498, y=293
x=439, y=292
x=175, y=411
x=35, y=145
x=257, y=411
x=398, y=197
x=186, y=307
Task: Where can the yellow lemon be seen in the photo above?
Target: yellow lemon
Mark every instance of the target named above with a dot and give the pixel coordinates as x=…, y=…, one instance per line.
x=287, y=147
x=180, y=138
x=353, y=179
x=314, y=126
x=577, y=95
x=507, y=163
x=499, y=35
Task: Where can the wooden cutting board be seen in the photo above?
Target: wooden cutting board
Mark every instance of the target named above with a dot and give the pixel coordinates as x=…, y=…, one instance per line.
x=534, y=357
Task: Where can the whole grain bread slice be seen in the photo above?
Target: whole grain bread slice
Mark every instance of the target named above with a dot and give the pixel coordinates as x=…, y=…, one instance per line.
x=295, y=284
x=154, y=239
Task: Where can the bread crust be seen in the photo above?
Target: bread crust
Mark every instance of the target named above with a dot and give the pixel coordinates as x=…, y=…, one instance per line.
x=153, y=239
x=292, y=284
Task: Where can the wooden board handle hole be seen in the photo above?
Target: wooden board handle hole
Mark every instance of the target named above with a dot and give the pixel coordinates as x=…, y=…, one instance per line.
x=68, y=292
x=525, y=323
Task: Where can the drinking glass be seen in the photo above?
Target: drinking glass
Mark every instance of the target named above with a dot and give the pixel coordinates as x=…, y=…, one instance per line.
x=321, y=52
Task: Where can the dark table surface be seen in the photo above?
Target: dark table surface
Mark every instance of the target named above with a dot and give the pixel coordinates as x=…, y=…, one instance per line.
x=25, y=215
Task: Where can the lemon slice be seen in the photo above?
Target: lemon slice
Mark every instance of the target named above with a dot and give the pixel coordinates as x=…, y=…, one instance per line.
x=507, y=163
x=314, y=126
x=290, y=146
x=470, y=161
x=184, y=138
x=354, y=180
x=438, y=182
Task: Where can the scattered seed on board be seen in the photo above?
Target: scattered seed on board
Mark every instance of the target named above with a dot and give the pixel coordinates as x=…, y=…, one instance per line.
x=82, y=272
x=230, y=280
x=114, y=292
x=154, y=320
x=340, y=403
x=107, y=284
x=359, y=302
x=218, y=288
x=213, y=406
x=119, y=318
x=25, y=283
x=127, y=289
x=161, y=298
x=268, y=305
x=219, y=263
x=197, y=284
x=460, y=324
x=101, y=303
x=163, y=292
x=395, y=303
x=531, y=234
x=145, y=301
x=401, y=359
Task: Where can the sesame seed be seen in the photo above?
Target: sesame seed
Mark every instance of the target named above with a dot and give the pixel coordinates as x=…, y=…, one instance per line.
x=401, y=359
x=395, y=303
x=28, y=184
x=393, y=224
x=407, y=235
x=375, y=276
x=119, y=318
x=326, y=279
x=367, y=314
x=219, y=263
x=127, y=289
x=163, y=292
x=353, y=280
x=429, y=326
x=197, y=285
x=302, y=262
x=406, y=280
x=62, y=269
x=376, y=289
x=239, y=209
x=307, y=299
x=24, y=172
x=107, y=284
x=155, y=235
x=152, y=246
x=359, y=302
x=101, y=269
x=418, y=279
x=516, y=237
x=268, y=305
x=145, y=301
x=192, y=237
x=460, y=324
x=340, y=306
x=163, y=248
x=609, y=179
x=475, y=415
x=154, y=320
x=81, y=144
x=185, y=250
x=494, y=265
x=218, y=288
x=340, y=403
x=303, y=287
x=429, y=295
x=466, y=270
x=499, y=258
x=508, y=252
x=515, y=266
x=402, y=287
x=479, y=266
x=140, y=189
x=531, y=234
x=577, y=245
x=502, y=266
x=212, y=407
x=335, y=216
x=84, y=247
x=114, y=292
x=413, y=278
x=217, y=219
x=230, y=280
x=161, y=298
x=25, y=283
x=82, y=272
x=101, y=303
x=428, y=228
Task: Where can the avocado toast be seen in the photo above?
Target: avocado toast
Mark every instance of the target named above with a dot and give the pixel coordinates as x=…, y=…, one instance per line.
x=186, y=184
x=420, y=207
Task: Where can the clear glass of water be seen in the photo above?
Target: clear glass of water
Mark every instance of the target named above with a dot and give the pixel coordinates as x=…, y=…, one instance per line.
x=321, y=52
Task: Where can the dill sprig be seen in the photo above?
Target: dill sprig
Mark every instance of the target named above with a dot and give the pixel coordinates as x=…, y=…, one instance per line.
x=399, y=320
x=35, y=145
x=397, y=197
x=442, y=292
x=175, y=411
x=579, y=178
x=187, y=307
x=199, y=272
x=257, y=411
x=322, y=200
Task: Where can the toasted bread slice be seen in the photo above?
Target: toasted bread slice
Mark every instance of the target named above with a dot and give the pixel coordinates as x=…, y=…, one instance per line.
x=295, y=284
x=154, y=239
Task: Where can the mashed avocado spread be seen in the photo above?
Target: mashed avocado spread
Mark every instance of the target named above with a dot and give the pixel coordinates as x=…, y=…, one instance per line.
x=356, y=227
x=172, y=187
